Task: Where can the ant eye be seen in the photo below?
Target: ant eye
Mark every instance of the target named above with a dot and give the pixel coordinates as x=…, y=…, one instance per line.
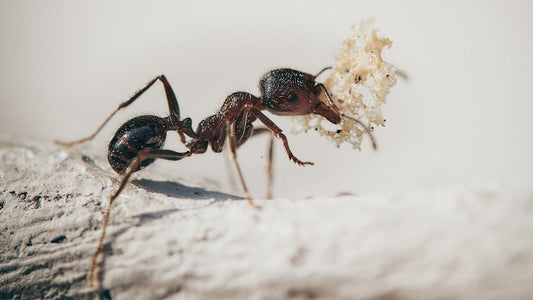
x=293, y=98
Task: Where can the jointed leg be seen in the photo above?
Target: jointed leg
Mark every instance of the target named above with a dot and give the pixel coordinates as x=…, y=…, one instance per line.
x=270, y=172
x=278, y=132
x=270, y=159
x=233, y=149
x=163, y=154
x=171, y=99
x=228, y=164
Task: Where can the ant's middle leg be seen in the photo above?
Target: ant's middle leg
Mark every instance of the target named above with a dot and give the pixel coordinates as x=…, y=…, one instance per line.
x=142, y=156
x=172, y=106
x=233, y=149
x=270, y=158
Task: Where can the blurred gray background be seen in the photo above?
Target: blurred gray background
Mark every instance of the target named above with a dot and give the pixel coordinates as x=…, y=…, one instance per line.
x=464, y=116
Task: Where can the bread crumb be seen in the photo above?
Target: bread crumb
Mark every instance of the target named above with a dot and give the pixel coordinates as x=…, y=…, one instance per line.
x=358, y=85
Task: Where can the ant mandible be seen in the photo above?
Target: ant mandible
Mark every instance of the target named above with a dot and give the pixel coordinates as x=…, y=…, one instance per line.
x=137, y=143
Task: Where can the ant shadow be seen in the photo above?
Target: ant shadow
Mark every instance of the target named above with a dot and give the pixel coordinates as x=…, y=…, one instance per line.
x=178, y=190
x=172, y=188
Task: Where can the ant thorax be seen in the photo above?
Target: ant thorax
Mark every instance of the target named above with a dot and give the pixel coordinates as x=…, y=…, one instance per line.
x=358, y=84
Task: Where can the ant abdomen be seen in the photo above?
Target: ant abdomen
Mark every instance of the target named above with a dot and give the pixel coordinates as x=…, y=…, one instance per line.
x=142, y=133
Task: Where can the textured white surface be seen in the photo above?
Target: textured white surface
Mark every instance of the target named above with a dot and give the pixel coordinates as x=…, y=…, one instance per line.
x=168, y=240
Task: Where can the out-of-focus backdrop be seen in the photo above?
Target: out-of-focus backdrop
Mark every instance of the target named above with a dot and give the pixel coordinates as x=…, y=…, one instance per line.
x=463, y=116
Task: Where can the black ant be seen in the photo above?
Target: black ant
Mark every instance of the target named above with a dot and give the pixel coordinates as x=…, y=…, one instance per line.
x=137, y=143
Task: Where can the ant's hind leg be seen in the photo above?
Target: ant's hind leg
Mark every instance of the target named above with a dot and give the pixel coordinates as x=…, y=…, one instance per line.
x=171, y=99
x=163, y=154
x=270, y=158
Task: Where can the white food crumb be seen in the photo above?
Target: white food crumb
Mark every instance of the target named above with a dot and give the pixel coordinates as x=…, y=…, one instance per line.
x=359, y=67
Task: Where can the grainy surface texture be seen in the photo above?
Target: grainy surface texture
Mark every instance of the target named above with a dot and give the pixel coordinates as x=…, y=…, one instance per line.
x=169, y=240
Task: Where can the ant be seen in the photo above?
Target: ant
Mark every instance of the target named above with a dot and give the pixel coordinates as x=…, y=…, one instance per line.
x=138, y=142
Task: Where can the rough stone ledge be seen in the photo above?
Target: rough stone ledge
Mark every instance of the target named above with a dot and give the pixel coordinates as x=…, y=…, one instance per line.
x=168, y=240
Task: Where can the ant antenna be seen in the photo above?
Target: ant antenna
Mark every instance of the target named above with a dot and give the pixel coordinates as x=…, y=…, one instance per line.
x=322, y=71
x=374, y=145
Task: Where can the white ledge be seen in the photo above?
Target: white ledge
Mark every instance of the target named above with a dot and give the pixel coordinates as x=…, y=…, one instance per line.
x=170, y=240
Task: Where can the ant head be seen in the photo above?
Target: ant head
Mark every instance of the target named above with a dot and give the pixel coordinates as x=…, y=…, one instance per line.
x=289, y=92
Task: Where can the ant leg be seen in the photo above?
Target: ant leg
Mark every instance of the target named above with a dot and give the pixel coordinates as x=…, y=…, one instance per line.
x=233, y=149
x=270, y=158
x=229, y=169
x=163, y=154
x=278, y=133
x=172, y=106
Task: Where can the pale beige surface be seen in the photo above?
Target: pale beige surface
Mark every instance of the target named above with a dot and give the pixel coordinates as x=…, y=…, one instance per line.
x=172, y=240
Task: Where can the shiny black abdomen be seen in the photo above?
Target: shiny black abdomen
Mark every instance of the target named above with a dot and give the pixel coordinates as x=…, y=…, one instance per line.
x=138, y=134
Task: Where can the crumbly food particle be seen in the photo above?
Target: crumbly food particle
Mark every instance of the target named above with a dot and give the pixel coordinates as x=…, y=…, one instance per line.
x=358, y=85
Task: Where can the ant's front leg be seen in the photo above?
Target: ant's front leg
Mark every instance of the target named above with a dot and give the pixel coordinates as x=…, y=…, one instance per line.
x=171, y=100
x=142, y=156
x=278, y=133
